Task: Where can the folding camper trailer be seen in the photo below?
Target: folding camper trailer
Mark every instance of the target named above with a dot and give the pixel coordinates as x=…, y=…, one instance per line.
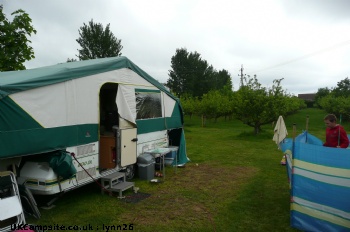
x=106, y=111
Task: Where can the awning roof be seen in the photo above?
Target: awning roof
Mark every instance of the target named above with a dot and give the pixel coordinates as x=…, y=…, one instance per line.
x=17, y=81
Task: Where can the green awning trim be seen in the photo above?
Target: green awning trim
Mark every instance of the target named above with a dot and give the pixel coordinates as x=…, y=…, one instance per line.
x=41, y=140
x=147, y=91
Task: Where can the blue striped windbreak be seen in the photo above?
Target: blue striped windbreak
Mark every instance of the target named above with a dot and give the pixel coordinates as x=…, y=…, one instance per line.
x=320, y=185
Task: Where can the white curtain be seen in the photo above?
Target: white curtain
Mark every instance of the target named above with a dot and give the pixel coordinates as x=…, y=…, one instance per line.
x=126, y=102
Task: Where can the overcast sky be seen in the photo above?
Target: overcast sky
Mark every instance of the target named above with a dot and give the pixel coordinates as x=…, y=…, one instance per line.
x=306, y=42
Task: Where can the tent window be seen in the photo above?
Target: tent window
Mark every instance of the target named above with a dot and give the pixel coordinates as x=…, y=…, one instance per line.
x=148, y=104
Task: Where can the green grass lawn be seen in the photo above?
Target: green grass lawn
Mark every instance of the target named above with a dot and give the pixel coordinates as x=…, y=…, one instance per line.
x=234, y=182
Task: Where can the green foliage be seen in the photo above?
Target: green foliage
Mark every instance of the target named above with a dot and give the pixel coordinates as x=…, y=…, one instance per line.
x=342, y=89
x=223, y=80
x=336, y=100
x=252, y=104
x=190, y=105
x=193, y=76
x=97, y=42
x=336, y=105
x=14, y=44
x=255, y=105
x=215, y=104
x=322, y=92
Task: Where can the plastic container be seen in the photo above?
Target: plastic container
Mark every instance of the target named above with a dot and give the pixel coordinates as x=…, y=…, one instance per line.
x=170, y=158
x=145, y=163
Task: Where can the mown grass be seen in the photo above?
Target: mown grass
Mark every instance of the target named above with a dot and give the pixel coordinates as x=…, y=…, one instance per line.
x=234, y=182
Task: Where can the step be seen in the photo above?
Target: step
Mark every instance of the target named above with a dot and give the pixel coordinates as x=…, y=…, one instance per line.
x=122, y=186
x=114, y=176
x=112, y=179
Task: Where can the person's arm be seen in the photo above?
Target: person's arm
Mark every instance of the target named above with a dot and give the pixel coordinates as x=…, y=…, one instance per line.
x=344, y=140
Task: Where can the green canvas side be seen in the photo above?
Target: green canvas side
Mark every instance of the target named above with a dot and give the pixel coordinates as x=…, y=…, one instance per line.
x=157, y=124
x=177, y=138
x=40, y=140
x=182, y=156
x=150, y=125
x=176, y=119
x=13, y=117
x=177, y=111
x=173, y=122
x=180, y=110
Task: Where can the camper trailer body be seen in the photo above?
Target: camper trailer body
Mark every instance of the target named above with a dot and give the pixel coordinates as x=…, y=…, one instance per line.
x=40, y=178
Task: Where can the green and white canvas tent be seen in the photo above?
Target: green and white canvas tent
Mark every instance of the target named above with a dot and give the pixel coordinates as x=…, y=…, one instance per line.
x=71, y=105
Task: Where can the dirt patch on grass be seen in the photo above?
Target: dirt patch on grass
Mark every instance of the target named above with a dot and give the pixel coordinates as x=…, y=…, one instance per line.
x=191, y=198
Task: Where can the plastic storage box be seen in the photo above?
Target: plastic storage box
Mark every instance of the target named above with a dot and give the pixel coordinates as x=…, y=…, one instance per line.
x=171, y=157
x=145, y=163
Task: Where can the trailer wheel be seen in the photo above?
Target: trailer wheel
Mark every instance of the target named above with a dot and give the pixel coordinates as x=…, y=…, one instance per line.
x=130, y=171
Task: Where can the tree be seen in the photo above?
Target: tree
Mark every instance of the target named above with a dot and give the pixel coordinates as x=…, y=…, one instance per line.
x=190, y=105
x=187, y=74
x=71, y=60
x=222, y=79
x=179, y=73
x=321, y=92
x=336, y=105
x=342, y=89
x=336, y=100
x=255, y=105
x=215, y=104
x=14, y=44
x=193, y=76
x=97, y=42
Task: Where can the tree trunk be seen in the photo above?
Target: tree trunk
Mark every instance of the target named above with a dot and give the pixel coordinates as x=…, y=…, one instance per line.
x=256, y=129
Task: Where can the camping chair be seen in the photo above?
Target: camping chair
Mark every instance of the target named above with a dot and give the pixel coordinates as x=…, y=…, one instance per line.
x=10, y=202
x=29, y=204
